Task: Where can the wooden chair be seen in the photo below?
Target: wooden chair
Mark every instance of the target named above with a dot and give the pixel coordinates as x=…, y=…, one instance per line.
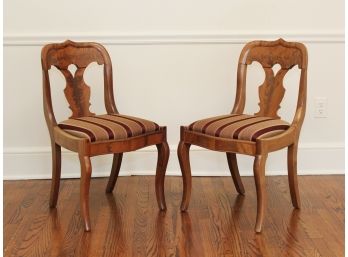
x=257, y=134
x=89, y=134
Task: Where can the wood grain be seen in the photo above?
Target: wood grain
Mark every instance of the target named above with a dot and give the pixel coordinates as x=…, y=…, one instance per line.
x=220, y=222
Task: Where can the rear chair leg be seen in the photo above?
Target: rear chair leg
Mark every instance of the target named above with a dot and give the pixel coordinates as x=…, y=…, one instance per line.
x=115, y=170
x=232, y=164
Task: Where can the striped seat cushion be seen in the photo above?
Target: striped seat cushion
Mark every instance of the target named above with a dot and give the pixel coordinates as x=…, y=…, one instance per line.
x=240, y=126
x=107, y=127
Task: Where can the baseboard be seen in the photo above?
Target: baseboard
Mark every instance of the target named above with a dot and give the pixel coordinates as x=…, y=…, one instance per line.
x=35, y=162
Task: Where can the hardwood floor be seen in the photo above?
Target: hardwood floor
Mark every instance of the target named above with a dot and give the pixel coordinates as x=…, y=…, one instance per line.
x=218, y=221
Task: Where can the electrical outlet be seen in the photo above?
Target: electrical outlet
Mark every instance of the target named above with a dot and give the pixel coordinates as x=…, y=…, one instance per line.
x=320, y=109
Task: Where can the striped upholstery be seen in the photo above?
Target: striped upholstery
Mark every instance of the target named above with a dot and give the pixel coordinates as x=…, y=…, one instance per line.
x=240, y=126
x=107, y=127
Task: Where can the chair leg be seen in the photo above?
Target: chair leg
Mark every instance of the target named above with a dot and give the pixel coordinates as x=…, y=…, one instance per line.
x=292, y=175
x=86, y=171
x=184, y=160
x=259, y=176
x=162, y=161
x=116, y=165
x=232, y=164
x=56, y=171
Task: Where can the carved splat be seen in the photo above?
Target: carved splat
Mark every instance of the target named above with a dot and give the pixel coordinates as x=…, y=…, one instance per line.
x=271, y=92
x=77, y=92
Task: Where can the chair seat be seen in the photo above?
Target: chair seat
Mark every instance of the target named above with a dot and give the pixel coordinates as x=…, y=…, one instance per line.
x=108, y=127
x=240, y=126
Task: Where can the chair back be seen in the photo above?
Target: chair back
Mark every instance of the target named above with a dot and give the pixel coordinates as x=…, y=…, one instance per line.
x=77, y=92
x=271, y=92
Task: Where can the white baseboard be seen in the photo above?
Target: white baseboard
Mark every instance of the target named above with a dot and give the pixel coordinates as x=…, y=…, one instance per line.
x=35, y=162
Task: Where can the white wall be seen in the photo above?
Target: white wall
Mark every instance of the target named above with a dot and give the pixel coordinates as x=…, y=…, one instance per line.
x=174, y=62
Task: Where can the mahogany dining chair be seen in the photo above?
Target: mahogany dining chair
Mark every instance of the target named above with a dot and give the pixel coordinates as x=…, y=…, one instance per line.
x=258, y=134
x=89, y=134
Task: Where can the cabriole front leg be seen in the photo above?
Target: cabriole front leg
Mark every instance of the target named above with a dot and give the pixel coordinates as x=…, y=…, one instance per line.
x=260, y=183
x=56, y=172
x=292, y=175
x=162, y=161
x=86, y=171
x=184, y=160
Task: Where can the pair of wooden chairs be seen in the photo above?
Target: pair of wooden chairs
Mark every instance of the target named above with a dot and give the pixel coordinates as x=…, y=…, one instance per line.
x=90, y=135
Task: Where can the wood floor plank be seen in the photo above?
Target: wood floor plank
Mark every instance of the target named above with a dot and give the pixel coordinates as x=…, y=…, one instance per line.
x=30, y=216
x=115, y=232
x=17, y=204
x=219, y=222
x=160, y=235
